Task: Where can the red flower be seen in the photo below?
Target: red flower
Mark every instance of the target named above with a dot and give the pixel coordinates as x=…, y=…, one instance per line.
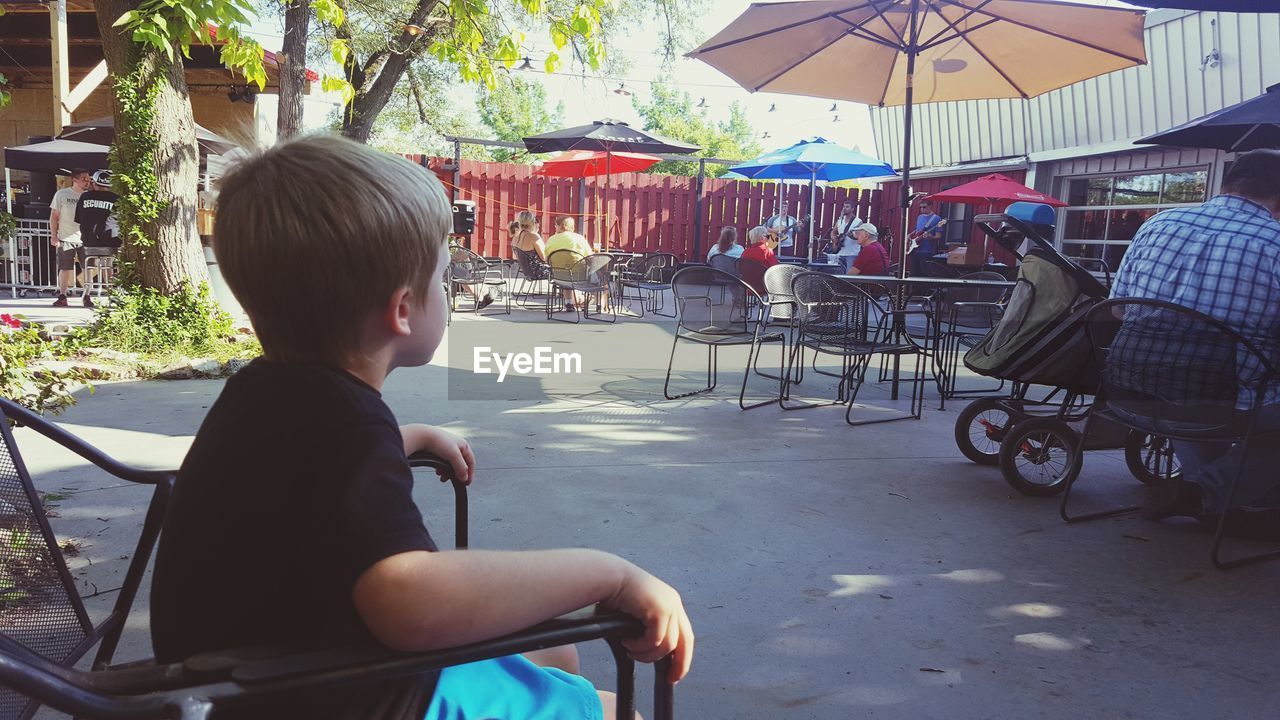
x=10, y=321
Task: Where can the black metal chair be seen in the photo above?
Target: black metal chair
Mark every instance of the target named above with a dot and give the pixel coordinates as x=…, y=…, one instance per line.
x=712, y=307
x=591, y=276
x=1171, y=371
x=532, y=272
x=473, y=274
x=650, y=277
x=933, y=268
x=1096, y=266
x=725, y=264
x=40, y=607
x=961, y=318
x=838, y=318
x=240, y=677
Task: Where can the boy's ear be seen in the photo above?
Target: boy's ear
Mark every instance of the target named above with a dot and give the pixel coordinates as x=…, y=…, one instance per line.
x=396, y=314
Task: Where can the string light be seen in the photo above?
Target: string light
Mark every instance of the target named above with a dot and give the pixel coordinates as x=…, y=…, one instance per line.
x=622, y=90
x=526, y=65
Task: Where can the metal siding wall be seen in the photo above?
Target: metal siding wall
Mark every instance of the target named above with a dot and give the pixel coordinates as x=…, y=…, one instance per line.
x=1170, y=90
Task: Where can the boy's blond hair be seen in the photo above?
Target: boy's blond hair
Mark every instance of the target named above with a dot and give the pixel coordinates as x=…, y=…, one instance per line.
x=527, y=220
x=315, y=234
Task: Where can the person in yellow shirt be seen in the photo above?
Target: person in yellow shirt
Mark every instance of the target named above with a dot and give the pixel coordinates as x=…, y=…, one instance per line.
x=566, y=238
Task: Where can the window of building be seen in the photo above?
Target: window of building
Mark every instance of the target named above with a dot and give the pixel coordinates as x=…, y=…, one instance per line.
x=1106, y=211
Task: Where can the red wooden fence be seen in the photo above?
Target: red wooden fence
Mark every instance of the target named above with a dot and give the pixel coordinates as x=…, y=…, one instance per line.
x=635, y=212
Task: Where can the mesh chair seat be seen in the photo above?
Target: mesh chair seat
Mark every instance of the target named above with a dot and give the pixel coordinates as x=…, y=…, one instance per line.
x=725, y=264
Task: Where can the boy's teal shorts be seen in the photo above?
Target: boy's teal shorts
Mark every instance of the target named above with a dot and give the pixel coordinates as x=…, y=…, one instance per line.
x=512, y=688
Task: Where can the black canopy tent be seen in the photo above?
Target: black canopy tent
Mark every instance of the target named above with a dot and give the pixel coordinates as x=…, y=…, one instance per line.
x=1250, y=125
x=56, y=156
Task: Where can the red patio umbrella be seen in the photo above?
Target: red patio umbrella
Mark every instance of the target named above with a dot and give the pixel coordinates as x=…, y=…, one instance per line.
x=587, y=163
x=994, y=189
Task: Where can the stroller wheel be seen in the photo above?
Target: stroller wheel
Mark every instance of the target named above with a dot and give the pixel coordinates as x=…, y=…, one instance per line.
x=1038, y=456
x=1149, y=456
x=980, y=428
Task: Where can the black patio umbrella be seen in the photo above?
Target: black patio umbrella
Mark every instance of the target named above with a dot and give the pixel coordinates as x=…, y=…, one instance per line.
x=1252, y=124
x=1219, y=5
x=103, y=132
x=607, y=136
x=56, y=156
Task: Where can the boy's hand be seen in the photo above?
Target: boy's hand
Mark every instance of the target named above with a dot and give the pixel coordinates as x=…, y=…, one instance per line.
x=667, y=627
x=451, y=448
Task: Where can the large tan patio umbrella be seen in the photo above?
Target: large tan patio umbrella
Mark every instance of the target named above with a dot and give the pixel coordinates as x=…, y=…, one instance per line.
x=897, y=52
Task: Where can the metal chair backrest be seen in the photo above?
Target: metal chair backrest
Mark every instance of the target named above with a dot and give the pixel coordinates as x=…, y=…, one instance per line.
x=712, y=301
x=560, y=264
x=40, y=605
x=1097, y=266
x=725, y=264
x=827, y=303
x=657, y=268
x=593, y=269
x=465, y=265
x=777, y=283
x=1170, y=362
x=955, y=304
x=752, y=271
x=530, y=266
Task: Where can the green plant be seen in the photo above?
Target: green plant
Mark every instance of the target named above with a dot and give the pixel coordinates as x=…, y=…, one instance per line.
x=36, y=388
x=144, y=320
x=8, y=223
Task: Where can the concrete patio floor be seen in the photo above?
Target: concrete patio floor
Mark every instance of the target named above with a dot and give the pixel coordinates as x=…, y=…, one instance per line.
x=830, y=571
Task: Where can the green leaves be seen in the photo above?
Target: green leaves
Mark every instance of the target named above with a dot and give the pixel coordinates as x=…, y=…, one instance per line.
x=330, y=83
x=166, y=25
x=5, y=97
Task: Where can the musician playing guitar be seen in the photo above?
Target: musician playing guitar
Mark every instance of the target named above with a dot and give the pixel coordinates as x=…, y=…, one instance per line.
x=782, y=228
x=927, y=236
x=843, y=242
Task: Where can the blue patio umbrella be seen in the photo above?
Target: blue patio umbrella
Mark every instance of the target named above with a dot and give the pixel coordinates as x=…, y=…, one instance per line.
x=1252, y=124
x=813, y=160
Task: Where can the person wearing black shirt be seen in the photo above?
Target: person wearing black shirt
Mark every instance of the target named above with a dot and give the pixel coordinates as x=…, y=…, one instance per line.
x=293, y=521
x=99, y=231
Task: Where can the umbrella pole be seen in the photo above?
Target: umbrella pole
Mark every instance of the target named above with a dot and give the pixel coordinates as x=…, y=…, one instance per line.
x=12, y=259
x=813, y=198
x=912, y=49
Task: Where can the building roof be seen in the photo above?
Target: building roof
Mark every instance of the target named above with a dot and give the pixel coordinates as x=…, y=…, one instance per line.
x=25, y=49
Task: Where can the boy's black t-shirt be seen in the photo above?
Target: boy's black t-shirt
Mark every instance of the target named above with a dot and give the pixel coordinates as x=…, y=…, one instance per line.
x=295, y=485
x=93, y=212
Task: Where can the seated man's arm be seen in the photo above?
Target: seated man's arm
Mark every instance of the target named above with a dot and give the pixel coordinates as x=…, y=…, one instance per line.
x=425, y=601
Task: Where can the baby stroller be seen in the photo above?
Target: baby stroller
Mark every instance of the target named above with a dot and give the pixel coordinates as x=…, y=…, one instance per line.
x=1040, y=340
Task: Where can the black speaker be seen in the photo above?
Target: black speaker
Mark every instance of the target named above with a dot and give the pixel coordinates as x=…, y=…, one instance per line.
x=464, y=217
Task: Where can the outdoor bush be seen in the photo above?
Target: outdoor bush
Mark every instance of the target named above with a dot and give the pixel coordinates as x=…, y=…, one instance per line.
x=146, y=321
x=39, y=389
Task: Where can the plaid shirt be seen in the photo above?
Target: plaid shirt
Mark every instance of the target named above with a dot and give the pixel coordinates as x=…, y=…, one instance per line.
x=1221, y=258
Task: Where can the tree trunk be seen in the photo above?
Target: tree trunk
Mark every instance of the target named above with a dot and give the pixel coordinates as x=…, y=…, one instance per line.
x=376, y=81
x=293, y=68
x=174, y=255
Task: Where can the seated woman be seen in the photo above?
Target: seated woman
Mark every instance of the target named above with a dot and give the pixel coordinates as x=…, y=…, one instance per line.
x=728, y=245
x=527, y=238
x=756, y=259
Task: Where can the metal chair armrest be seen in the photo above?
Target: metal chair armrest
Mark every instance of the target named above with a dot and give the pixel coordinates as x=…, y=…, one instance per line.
x=24, y=417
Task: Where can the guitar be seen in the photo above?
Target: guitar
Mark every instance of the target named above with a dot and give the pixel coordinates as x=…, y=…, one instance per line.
x=913, y=238
x=837, y=241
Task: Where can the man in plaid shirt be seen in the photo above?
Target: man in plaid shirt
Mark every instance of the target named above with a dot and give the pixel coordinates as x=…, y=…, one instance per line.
x=1221, y=258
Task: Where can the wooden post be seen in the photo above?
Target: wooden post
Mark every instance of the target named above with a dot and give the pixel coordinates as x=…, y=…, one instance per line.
x=697, y=209
x=60, y=66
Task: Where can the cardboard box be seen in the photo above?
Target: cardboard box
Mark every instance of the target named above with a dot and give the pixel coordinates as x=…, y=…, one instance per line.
x=966, y=256
x=204, y=221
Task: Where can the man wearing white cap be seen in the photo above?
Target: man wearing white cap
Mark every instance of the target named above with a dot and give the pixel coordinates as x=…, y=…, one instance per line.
x=872, y=259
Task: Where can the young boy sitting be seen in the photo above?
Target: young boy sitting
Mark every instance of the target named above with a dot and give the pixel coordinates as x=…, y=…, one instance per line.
x=293, y=521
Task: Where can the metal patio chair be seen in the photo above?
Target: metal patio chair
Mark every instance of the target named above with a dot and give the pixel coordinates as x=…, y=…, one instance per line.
x=240, y=678
x=839, y=318
x=650, y=277
x=476, y=275
x=591, y=276
x=531, y=273
x=41, y=611
x=712, y=309
x=961, y=318
x=1170, y=371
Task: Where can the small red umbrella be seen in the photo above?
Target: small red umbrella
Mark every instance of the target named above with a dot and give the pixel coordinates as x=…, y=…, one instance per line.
x=995, y=189
x=586, y=163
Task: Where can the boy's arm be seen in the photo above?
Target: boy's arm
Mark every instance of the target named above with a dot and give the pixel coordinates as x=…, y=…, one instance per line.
x=425, y=601
x=452, y=448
